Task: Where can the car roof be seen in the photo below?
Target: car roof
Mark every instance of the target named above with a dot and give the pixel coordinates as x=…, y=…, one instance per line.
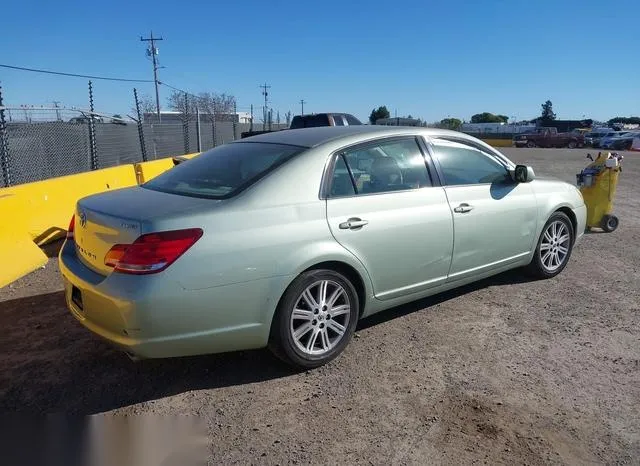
x=312, y=137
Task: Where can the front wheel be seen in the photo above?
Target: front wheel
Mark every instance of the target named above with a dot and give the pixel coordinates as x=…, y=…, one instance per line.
x=531, y=144
x=554, y=247
x=315, y=319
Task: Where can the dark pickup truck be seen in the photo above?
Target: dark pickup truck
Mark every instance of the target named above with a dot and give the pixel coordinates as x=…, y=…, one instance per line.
x=314, y=120
x=549, y=137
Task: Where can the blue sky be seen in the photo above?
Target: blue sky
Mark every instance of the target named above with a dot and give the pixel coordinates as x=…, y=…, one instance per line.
x=430, y=59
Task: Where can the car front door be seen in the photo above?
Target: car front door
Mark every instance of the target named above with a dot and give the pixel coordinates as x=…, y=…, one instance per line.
x=494, y=217
x=384, y=208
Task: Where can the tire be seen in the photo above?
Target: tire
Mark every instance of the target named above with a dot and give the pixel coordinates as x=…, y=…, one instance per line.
x=609, y=223
x=314, y=320
x=572, y=145
x=553, y=242
x=531, y=144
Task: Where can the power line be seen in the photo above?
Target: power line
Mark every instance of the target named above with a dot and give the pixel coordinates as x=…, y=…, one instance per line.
x=105, y=78
x=177, y=89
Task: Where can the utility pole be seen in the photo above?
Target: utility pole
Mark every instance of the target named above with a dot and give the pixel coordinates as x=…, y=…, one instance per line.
x=56, y=105
x=302, y=102
x=265, y=93
x=153, y=51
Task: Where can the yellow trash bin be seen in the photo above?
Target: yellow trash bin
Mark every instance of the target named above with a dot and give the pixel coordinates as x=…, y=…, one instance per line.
x=598, y=182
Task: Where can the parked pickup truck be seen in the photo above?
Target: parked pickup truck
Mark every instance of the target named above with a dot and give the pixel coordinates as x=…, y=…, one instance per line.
x=314, y=120
x=549, y=137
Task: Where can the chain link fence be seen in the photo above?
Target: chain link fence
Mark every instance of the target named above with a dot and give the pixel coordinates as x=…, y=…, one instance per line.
x=46, y=143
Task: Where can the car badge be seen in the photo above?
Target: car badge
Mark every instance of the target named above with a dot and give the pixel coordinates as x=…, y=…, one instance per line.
x=83, y=219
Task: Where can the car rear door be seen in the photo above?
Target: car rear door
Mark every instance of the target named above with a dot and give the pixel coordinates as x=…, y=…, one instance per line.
x=494, y=217
x=383, y=207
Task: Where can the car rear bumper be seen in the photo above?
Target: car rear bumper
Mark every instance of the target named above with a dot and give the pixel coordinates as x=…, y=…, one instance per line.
x=153, y=316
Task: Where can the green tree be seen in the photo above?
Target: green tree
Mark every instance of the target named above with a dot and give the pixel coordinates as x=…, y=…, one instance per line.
x=486, y=117
x=379, y=113
x=547, y=116
x=625, y=120
x=451, y=123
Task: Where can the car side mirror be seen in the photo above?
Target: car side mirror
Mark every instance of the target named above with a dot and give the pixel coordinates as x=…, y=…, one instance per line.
x=523, y=174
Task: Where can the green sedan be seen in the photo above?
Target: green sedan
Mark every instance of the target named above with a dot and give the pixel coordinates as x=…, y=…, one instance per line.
x=287, y=239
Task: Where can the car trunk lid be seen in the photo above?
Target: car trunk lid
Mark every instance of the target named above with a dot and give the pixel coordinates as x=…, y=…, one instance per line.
x=120, y=216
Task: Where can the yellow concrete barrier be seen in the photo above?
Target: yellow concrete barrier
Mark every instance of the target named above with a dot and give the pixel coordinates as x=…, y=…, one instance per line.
x=34, y=214
x=499, y=142
x=148, y=170
x=19, y=255
x=47, y=205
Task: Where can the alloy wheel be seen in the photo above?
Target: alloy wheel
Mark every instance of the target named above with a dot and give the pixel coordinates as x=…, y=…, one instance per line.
x=555, y=246
x=320, y=317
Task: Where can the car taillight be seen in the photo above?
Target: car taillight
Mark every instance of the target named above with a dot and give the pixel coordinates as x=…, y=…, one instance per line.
x=151, y=253
x=115, y=255
x=72, y=227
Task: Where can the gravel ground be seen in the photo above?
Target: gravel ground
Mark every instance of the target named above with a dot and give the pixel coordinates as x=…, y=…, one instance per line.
x=506, y=371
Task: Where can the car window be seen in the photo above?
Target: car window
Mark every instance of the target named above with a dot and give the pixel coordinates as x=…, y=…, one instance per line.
x=464, y=165
x=342, y=184
x=351, y=120
x=388, y=166
x=338, y=121
x=223, y=171
x=309, y=121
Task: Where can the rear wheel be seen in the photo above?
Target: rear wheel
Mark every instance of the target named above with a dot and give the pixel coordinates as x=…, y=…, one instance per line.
x=554, y=247
x=609, y=223
x=572, y=145
x=531, y=144
x=315, y=319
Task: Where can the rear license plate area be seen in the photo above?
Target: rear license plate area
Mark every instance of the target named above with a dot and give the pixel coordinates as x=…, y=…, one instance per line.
x=76, y=297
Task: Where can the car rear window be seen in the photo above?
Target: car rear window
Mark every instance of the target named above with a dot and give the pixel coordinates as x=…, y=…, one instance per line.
x=310, y=121
x=224, y=171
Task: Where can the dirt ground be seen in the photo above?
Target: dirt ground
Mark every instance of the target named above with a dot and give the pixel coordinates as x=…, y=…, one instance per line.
x=506, y=371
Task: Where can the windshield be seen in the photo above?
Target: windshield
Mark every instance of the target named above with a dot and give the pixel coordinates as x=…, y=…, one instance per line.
x=224, y=171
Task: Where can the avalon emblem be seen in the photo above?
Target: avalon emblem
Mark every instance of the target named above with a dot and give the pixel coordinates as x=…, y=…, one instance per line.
x=83, y=219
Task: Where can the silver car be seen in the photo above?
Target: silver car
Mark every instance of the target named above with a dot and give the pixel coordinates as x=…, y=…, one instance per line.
x=289, y=238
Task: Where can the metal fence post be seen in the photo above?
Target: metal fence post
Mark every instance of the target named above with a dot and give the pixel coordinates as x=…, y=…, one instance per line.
x=213, y=128
x=185, y=124
x=143, y=147
x=198, y=136
x=235, y=124
x=92, y=132
x=4, y=146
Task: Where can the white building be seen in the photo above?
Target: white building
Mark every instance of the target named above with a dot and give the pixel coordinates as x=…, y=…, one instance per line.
x=169, y=116
x=495, y=128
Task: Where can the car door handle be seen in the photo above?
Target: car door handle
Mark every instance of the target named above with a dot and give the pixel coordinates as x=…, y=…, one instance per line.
x=353, y=223
x=463, y=208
